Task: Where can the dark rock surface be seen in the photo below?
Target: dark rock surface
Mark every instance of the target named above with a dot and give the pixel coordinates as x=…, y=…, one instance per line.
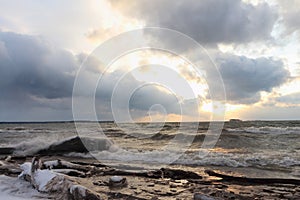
x=6, y=150
x=245, y=180
x=76, y=144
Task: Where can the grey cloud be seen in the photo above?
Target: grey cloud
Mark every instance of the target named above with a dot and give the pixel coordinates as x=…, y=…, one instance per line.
x=290, y=99
x=290, y=15
x=207, y=21
x=30, y=66
x=271, y=113
x=36, y=77
x=244, y=78
x=142, y=98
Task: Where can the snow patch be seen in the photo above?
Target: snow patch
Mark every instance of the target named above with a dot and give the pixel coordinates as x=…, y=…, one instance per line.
x=51, y=164
x=81, y=190
x=15, y=189
x=26, y=169
x=116, y=178
x=42, y=178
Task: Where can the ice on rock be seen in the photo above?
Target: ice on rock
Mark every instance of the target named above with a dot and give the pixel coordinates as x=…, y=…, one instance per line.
x=78, y=188
x=51, y=164
x=42, y=178
x=116, y=178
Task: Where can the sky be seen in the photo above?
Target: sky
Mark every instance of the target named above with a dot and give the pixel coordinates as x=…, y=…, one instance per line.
x=52, y=60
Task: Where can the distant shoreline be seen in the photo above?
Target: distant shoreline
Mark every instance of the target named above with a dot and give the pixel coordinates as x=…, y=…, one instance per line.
x=53, y=122
x=87, y=121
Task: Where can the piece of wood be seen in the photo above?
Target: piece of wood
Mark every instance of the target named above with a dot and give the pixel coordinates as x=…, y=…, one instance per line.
x=245, y=180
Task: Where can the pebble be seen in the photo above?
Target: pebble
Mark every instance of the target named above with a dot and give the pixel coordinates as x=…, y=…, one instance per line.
x=117, y=181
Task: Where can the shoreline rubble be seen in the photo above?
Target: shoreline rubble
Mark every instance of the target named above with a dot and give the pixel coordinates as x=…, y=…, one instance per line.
x=87, y=180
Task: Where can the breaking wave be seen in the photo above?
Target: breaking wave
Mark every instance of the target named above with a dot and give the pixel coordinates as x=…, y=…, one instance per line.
x=267, y=130
x=72, y=144
x=212, y=158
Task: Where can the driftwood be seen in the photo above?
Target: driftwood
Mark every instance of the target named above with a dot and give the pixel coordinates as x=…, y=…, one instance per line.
x=118, y=195
x=91, y=169
x=89, y=164
x=8, y=168
x=245, y=180
x=9, y=171
x=175, y=174
x=105, y=170
x=61, y=164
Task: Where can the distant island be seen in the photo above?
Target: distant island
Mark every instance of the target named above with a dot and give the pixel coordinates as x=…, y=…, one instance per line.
x=235, y=120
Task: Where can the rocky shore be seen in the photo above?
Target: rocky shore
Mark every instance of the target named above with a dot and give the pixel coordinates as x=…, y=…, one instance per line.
x=70, y=178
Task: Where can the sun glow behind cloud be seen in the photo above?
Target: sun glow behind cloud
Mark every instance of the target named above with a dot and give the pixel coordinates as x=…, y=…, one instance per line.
x=173, y=73
x=146, y=66
x=162, y=67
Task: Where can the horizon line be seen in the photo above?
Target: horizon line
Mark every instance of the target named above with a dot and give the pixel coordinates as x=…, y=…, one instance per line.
x=112, y=121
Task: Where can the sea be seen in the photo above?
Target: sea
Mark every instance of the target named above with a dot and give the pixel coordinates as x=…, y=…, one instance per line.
x=249, y=148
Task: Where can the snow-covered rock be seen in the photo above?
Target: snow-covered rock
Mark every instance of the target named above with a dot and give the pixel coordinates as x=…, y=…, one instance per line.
x=42, y=178
x=78, y=190
x=50, y=182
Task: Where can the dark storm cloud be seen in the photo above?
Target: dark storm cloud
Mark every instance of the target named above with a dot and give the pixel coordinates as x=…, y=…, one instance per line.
x=244, y=78
x=35, y=78
x=36, y=82
x=207, y=21
x=32, y=67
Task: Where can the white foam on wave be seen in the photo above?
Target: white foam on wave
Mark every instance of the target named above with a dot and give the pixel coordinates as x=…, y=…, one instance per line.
x=267, y=130
x=36, y=144
x=213, y=158
x=125, y=156
x=33, y=145
x=241, y=160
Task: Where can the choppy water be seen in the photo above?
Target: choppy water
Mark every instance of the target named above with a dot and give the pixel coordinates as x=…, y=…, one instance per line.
x=264, y=145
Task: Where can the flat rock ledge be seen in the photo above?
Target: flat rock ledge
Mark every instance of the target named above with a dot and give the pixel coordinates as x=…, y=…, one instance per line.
x=74, y=179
